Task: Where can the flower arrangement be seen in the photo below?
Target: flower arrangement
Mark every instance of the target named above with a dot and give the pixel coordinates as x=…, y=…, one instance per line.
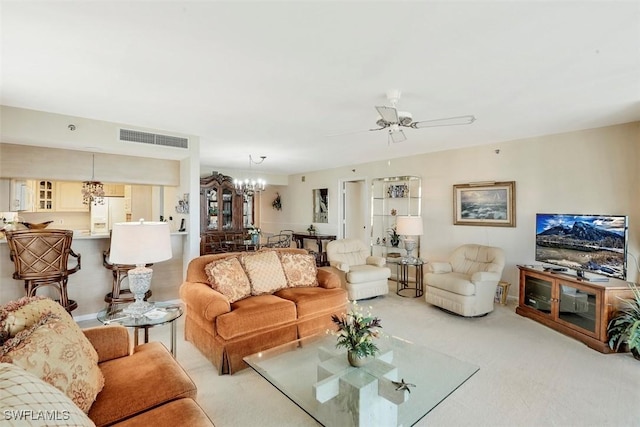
x=253, y=230
x=311, y=229
x=356, y=331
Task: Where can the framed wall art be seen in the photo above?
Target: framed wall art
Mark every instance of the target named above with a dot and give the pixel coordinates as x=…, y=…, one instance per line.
x=485, y=203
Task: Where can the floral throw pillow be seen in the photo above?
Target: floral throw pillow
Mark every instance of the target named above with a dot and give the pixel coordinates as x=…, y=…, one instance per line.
x=228, y=277
x=59, y=354
x=300, y=269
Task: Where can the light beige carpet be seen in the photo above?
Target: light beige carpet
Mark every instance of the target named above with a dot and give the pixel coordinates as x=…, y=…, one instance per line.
x=529, y=374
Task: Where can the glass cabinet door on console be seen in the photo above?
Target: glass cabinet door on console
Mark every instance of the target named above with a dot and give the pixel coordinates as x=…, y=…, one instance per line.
x=537, y=293
x=566, y=303
x=577, y=308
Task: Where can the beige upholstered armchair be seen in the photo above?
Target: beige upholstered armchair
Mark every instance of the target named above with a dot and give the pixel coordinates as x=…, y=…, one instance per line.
x=363, y=275
x=467, y=283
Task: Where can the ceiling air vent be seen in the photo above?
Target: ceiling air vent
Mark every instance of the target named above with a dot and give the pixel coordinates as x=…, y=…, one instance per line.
x=129, y=135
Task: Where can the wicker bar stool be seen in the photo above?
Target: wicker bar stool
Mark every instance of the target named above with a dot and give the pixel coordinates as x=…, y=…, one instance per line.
x=41, y=259
x=120, y=272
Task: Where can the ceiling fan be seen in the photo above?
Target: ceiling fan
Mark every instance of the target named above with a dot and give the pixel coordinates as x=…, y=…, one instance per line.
x=393, y=120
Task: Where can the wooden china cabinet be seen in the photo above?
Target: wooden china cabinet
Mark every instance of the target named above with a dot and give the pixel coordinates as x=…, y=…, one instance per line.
x=222, y=217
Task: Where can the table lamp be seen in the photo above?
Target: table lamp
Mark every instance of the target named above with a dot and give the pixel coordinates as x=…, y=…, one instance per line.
x=409, y=226
x=140, y=243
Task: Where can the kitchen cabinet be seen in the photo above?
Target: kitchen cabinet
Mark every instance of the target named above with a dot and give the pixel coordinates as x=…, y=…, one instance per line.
x=113, y=190
x=68, y=197
x=45, y=192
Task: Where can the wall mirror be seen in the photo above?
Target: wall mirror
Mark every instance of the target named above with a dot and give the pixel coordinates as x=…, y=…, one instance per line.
x=321, y=205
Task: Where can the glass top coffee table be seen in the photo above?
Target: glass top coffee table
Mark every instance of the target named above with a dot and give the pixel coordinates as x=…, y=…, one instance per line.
x=399, y=387
x=160, y=314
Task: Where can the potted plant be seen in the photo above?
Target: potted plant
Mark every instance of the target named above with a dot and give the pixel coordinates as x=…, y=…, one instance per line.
x=356, y=332
x=624, y=327
x=394, y=237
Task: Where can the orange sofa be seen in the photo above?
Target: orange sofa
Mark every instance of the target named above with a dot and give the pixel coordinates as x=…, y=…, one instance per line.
x=51, y=367
x=226, y=330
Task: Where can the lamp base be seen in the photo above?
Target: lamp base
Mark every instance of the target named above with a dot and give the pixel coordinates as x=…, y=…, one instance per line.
x=139, y=284
x=409, y=245
x=137, y=309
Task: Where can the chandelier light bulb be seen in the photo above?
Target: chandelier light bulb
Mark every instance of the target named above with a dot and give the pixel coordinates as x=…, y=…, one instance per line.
x=250, y=186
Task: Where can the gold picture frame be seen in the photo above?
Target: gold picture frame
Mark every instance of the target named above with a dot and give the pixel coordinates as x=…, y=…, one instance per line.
x=485, y=203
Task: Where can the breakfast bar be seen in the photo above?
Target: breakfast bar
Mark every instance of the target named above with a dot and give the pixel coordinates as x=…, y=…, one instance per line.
x=89, y=286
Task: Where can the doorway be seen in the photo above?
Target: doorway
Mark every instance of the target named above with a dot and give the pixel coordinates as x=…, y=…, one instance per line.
x=355, y=210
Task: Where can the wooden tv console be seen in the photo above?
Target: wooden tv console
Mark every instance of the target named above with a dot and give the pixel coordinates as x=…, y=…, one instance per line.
x=574, y=307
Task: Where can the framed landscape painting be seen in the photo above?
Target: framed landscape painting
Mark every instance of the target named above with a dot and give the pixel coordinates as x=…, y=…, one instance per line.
x=491, y=204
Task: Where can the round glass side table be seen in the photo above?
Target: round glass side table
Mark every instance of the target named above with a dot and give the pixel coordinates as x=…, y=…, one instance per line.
x=160, y=314
x=404, y=288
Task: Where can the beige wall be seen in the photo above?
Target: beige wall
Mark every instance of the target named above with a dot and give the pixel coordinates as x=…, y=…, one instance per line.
x=24, y=161
x=592, y=171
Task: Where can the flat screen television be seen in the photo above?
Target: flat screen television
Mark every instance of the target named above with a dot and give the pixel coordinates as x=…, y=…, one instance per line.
x=584, y=243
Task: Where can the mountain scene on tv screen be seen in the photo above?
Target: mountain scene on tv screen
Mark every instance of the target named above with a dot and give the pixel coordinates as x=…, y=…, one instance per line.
x=594, y=244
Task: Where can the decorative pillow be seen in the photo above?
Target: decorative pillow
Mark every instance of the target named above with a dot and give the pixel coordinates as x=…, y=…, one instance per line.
x=29, y=401
x=59, y=354
x=18, y=315
x=265, y=272
x=228, y=277
x=300, y=269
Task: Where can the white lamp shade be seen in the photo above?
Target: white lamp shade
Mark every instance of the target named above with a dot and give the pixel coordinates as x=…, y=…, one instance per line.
x=409, y=225
x=140, y=242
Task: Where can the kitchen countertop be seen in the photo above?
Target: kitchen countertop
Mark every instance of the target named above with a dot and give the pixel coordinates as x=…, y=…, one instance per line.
x=85, y=235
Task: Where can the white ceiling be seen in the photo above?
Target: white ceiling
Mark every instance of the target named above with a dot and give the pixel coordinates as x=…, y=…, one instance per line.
x=275, y=78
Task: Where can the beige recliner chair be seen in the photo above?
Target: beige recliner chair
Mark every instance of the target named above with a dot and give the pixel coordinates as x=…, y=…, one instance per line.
x=467, y=283
x=363, y=275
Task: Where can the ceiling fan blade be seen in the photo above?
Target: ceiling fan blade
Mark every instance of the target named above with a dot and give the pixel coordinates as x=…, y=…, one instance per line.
x=397, y=136
x=388, y=114
x=449, y=121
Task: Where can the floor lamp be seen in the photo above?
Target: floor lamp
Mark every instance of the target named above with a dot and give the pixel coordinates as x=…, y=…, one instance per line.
x=140, y=243
x=409, y=226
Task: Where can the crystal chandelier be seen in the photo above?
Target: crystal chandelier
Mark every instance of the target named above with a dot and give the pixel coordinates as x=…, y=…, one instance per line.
x=250, y=186
x=93, y=191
